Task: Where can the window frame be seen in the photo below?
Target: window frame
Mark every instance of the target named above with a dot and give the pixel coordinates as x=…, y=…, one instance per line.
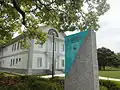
x=15, y=47
x=11, y=62
x=55, y=46
x=63, y=62
x=18, y=46
x=19, y=59
x=63, y=47
x=12, y=47
x=16, y=60
x=39, y=62
x=40, y=45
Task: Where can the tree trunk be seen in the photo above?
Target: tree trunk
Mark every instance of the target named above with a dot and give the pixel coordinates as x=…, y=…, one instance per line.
x=100, y=68
x=104, y=68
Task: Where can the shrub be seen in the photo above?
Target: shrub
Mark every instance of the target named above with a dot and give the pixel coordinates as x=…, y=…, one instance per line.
x=28, y=83
x=110, y=85
x=103, y=88
x=37, y=83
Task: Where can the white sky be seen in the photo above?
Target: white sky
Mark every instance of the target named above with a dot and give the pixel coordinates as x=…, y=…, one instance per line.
x=109, y=33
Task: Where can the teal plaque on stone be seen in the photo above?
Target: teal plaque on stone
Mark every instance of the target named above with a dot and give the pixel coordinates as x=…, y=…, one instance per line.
x=72, y=45
x=81, y=65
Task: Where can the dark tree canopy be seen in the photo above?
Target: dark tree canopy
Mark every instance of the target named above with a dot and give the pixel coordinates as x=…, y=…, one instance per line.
x=106, y=57
x=117, y=61
x=64, y=15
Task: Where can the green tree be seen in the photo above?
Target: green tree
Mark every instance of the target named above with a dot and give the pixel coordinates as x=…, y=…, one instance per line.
x=64, y=15
x=106, y=57
x=117, y=60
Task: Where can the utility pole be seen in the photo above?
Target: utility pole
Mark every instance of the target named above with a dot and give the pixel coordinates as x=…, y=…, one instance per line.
x=54, y=34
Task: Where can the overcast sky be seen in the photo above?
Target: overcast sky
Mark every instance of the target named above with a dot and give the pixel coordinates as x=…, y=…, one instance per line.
x=109, y=32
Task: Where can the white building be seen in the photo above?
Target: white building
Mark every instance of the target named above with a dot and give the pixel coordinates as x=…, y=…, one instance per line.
x=35, y=60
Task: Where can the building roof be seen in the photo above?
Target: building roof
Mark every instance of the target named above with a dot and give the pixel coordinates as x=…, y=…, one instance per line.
x=19, y=37
x=12, y=41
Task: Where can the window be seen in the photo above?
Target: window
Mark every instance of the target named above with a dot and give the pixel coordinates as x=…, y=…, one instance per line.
x=19, y=59
x=15, y=47
x=55, y=46
x=11, y=62
x=5, y=49
x=39, y=62
x=63, y=47
x=21, y=46
x=18, y=46
x=16, y=60
x=0, y=63
x=0, y=52
x=40, y=45
x=3, y=61
x=63, y=63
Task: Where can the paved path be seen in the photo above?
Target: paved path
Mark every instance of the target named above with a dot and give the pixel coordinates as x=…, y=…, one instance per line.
x=63, y=75
x=106, y=78
x=49, y=76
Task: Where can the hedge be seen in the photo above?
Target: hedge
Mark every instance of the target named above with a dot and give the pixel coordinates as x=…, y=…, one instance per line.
x=28, y=83
x=36, y=83
x=109, y=85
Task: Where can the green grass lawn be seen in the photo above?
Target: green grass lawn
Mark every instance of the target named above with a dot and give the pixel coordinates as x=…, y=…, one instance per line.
x=110, y=74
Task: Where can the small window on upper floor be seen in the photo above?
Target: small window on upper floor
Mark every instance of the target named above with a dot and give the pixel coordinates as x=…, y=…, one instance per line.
x=63, y=63
x=12, y=47
x=40, y=45
x=0, y=63
x=21, y=47
x=55, y=47
x=18, y=46
x=15, y=47
x=62, y=47
x=5, y=49
x=0, y=53
x=19, y=59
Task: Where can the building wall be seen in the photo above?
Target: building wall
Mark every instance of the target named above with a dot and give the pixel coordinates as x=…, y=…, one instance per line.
x=20, y=61
x=35, y=63
x=45, y=52
x=13, y=52
x=14, y=57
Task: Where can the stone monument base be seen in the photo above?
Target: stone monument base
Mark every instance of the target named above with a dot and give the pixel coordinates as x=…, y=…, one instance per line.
x=83, y=74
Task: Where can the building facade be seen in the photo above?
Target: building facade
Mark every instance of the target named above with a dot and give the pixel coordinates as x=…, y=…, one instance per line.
x=35, y=60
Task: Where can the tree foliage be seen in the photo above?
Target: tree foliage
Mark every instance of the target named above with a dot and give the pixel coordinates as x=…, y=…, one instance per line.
x=117, y=61
x=106, y=57
x=64, y=15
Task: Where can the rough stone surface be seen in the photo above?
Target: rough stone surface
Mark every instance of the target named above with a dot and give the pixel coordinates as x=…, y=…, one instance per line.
x=84, y=72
